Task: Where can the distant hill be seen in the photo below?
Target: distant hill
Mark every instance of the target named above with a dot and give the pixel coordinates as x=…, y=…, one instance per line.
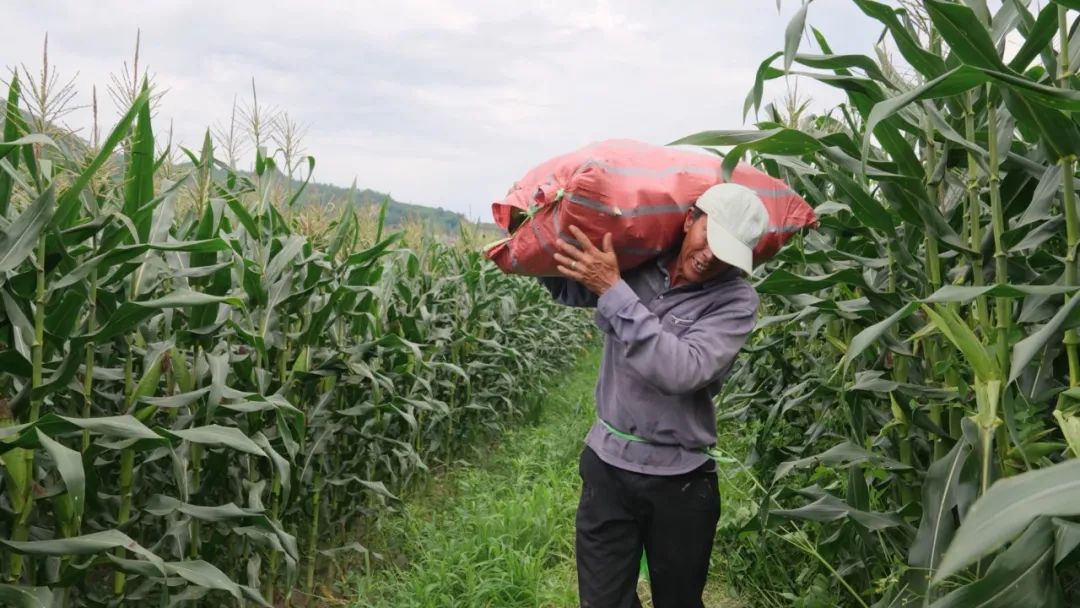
x=397, y=212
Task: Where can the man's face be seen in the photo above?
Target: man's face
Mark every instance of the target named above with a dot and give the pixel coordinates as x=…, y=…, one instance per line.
x=696, y=263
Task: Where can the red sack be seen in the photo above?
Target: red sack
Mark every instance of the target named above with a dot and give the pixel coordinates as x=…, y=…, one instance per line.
x=639, y=192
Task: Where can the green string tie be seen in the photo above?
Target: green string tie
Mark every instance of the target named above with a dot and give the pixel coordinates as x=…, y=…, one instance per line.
x=708, y=451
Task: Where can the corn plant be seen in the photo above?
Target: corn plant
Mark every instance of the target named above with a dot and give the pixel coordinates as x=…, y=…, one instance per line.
x=915, y=376
x=200, y=402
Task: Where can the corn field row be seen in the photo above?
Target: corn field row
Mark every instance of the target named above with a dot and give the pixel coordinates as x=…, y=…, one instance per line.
x=915, y=383
x=199, y=403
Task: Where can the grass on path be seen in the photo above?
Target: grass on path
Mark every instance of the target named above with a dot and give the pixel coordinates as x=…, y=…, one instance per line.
x=500, y=533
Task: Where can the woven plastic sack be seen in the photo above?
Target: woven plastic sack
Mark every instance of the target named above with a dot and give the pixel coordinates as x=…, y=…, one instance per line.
x=639, y=192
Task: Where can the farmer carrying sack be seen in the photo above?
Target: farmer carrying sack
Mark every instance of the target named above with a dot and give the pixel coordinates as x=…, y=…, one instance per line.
x=636, y=191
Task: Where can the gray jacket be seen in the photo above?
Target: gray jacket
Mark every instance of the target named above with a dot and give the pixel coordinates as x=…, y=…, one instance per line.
x=666, y=353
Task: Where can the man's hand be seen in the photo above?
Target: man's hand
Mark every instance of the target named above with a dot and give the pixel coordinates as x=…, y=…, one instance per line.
x=596, y=269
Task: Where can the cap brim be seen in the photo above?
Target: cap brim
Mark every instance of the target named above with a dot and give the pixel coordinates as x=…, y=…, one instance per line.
x=727, y=248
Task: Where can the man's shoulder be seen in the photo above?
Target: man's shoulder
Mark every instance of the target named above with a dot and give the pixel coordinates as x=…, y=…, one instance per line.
x=736, y=292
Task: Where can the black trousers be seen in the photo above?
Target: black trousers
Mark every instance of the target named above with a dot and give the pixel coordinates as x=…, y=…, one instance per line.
x=673, y=518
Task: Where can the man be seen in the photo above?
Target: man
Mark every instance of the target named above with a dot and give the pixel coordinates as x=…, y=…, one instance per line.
x=672, y=329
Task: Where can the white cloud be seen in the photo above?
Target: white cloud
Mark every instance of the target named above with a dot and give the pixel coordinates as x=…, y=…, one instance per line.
x=440, y=102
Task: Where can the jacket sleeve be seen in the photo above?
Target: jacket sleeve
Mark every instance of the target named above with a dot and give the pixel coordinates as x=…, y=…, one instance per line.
x=677, y=364
x=569, y=292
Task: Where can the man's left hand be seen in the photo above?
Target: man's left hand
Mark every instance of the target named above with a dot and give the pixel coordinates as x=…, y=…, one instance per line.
x=596, y=269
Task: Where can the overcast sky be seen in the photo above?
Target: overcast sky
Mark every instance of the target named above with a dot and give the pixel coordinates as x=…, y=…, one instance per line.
x=442, y=103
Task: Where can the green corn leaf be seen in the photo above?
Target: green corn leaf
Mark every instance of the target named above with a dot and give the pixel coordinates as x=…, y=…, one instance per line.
x=1037, y=39
x=69, y=463
x=822, y=42
x=11, y=133
x=259, y=404
x=7, y=147
x=794, y=34
x=139, y=176
x=281, y=465
x=1057, y=133
x=68, y=204
x=841, y=455
x=1009, y=506
x=178, y=400
x=953, y=82
x=322, y=317
x=21, y=327
x=1046, y=192
x=731, y=160
x=204, y=246
x=861, y=92
x=927, y=63
x=26, y=597
x=940, y=495
x=1027, y=349
x=126, y=253
x=353, y=547
x=18, y=239
x=1052, y=97
x=15, y=363
x=1021, y=576
x=346, y=223
x=1002, y=23
x=871, y=334
x=829, y=508
x=753, y=98
x=872, y=381
x=81, y=232
x=953, y=327
x=966, y=293
x=163, y=213
x=373, y=253
x=151, y=374
x=61, y=320
x=205, y=575
x=87, y=544
x=783, y=282
x=243, y=215
x=863, y=204
x=841, y=63
x=254, y=595
x=16, y=475
x=217, y=436
x=961, y=28
x=164, y=506
x=1066, y=538
x=289, y=250
x=942, y=127
x=126, y=427
x=1070, y=429
x=773, y=141
x=296, y=195
x=382, y=218
x=377, y=487
x=130, y=314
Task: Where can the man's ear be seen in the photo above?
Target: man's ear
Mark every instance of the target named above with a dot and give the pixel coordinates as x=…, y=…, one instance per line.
x=688, y=221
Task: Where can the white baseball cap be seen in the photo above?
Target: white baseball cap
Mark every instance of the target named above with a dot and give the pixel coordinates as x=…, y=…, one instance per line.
x=736, y=220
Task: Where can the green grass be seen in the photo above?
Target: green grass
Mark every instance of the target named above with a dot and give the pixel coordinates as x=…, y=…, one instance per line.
x=498, y=533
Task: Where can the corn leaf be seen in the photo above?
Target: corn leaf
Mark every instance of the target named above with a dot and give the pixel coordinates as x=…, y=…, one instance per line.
x=1022, y=575
x=794, y=33
x=26, y=597
x=1010, y=506
x=18, y=239
x=949, y=323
